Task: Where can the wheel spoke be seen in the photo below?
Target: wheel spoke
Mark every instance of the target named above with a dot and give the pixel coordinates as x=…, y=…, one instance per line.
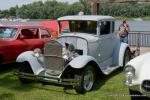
x=88, y=80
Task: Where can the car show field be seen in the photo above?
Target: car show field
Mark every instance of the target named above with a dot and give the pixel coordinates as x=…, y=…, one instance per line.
x=75, y=50
x=106, y=88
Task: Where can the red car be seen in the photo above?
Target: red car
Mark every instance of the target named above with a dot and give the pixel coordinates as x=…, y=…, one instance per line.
x=15, y=39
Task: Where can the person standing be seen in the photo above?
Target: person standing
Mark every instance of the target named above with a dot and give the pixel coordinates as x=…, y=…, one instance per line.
x=124, y=31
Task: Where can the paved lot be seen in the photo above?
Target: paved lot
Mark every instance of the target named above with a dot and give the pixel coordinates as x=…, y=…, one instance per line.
x=144, y=49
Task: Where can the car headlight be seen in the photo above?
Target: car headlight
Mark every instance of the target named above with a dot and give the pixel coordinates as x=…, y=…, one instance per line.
x=37, y=52
x=129, y=74
x=65, y=54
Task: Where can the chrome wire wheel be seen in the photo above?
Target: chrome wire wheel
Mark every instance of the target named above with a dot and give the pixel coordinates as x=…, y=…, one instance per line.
x=88, y=80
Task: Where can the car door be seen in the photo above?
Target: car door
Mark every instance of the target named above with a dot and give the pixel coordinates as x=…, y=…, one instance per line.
x=37, y=40
x=28, y=39
x=106, y=40
x=15, y=47
x=45, y=35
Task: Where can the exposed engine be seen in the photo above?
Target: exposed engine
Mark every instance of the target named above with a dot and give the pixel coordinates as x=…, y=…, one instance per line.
x=69, y=53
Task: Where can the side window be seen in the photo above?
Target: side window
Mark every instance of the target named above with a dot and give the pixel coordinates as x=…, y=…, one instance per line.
x=113, y=26
x=27, y=34
x=105, y=27
x=44, y=33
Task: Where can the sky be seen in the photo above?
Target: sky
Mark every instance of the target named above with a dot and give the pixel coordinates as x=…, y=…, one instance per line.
x=6, y=4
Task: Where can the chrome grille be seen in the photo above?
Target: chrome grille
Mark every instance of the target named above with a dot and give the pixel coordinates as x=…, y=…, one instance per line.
x=54, y=62
x=146, y=85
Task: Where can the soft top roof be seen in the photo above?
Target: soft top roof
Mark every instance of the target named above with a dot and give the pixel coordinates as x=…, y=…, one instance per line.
x=86, y=17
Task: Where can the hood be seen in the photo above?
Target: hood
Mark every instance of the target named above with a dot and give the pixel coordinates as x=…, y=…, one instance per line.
x=139, y=60
x=142, y=66
x=88, y=37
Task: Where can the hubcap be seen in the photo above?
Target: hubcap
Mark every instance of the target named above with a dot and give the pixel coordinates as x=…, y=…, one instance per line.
x=88, y=80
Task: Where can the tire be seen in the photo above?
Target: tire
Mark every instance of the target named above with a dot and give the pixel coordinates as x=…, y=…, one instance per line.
x=1, y=61
x=86, y=80
x=127, y=57
x=135, y=95
x=25, y=68
x=1, y=58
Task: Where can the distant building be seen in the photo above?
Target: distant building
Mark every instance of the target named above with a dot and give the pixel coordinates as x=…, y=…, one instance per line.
x=95, y=4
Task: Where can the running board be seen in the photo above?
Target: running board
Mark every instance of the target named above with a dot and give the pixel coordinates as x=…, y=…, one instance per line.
x=110, y=69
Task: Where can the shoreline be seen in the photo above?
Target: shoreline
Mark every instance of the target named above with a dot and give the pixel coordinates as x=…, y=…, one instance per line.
x=131, y=18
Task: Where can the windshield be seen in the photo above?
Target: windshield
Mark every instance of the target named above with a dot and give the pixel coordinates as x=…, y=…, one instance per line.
x=7, y=32
x=80, y=26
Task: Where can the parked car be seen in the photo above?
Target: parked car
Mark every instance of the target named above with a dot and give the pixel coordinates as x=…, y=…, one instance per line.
x=86, y=47
x=52, y=25
x=137, y=76
x=15, y=39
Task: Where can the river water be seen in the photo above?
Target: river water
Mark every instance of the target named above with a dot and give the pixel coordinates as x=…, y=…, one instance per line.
x=134, y=25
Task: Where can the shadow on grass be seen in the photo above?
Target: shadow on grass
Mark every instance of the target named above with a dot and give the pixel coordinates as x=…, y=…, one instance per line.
x=6, y=68
x=101, y=80
x=7, y=96
x=57, y=89
x=10, y=81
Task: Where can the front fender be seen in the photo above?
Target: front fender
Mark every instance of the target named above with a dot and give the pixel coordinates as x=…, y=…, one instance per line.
x=81, y=61
x=28, y=56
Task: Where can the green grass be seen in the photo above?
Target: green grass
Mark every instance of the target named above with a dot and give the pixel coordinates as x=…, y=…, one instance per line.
x=107, y=88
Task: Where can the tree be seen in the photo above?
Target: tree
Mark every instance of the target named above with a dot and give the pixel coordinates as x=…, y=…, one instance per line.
x=86, y=5
x=12, y=11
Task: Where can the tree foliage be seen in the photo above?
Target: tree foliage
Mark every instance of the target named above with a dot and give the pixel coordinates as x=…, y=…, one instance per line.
x=54, y=9
x=126, y=9
x=46, y=10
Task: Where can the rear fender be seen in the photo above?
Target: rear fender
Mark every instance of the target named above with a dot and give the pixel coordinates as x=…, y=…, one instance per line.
x=34, y=63
x=122, y=50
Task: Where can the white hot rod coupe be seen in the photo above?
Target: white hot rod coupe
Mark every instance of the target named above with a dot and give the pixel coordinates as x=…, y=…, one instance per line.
x=137, y=76
x=86, y=47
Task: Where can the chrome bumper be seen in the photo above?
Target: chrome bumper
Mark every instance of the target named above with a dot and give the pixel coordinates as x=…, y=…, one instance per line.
x=137, y=87
x=51, y=80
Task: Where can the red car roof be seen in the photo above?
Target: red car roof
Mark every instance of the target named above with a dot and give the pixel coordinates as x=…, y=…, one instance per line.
x=52, y=25
x=23, y=26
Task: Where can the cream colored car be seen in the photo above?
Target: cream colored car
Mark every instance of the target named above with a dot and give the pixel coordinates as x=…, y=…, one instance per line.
x=137, y=76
